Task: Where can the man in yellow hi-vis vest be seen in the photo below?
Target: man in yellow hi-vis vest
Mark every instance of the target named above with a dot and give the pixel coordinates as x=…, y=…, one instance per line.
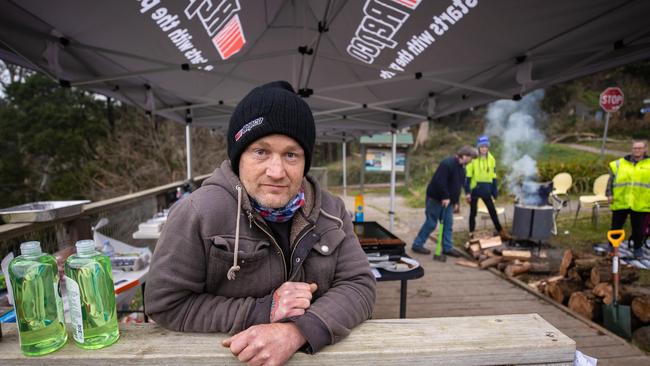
x=628, y=191
x=481, y=183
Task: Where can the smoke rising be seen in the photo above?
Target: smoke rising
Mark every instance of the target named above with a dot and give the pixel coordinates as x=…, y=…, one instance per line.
x=514, y=122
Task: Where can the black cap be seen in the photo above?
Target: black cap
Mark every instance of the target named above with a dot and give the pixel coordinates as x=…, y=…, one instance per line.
x=272, y=108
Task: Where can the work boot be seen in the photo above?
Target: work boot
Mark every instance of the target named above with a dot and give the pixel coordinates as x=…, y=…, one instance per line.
x=441, y=258
x=421, y=250
x=452, y=253
x=505, y=236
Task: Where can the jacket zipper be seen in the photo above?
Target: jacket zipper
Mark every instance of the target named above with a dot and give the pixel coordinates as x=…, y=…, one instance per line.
x=284, y=262
x=296, y=246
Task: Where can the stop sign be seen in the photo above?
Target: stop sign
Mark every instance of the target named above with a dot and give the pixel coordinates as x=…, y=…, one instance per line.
x=611, y=99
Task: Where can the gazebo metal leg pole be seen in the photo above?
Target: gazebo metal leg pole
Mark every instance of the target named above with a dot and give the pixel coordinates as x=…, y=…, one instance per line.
x=391, y=213
x=188, y=147
x=345, y=172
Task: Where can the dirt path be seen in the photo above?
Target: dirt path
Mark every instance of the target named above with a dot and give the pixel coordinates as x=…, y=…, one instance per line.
x=595, y=150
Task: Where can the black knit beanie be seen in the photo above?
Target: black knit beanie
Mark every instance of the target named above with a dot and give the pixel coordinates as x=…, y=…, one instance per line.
x=272, y=108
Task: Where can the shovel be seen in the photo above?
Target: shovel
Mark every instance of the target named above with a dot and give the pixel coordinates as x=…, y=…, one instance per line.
x=616, y=317
x=438, y=255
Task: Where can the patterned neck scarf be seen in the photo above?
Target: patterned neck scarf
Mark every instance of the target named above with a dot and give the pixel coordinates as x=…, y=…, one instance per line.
x=283, y=214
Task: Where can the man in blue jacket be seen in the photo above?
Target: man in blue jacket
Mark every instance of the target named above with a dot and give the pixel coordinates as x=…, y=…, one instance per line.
x=443, y=193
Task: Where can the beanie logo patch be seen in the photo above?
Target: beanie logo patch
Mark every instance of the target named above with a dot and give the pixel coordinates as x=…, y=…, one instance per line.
x=247, y=127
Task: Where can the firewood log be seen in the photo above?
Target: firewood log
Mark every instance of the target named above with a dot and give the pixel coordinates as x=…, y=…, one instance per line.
x=561, y=290
x=491, y=242
x=574, y=275
x=490, y=262
x=603, y=273
x=474, y=250
x=604, y=290
x=586, y=304
x=540, y=268
x=513, y=270
x=641, y=308
x=466, y=263
x=567, y=262
x=523, y=255
x=582, y=268
x=586, y=263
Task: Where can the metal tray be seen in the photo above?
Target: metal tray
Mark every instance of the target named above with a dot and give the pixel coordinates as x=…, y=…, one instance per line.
x=41, y=211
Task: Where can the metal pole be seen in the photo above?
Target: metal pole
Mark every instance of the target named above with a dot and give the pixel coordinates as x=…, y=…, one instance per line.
x=602, y=147
x=391, y=213
x=188, y=148
x=345, y=171
x=362, y=172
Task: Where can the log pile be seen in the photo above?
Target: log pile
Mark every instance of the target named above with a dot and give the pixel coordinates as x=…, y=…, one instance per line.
x=490, y=252
x=583, y=283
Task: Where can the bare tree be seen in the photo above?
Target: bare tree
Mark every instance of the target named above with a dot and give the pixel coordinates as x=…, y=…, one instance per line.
x=140, y=156
x=422, y=135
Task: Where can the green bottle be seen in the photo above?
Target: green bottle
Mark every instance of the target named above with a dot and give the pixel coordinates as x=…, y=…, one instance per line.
x=39, y=310
x=91, y=296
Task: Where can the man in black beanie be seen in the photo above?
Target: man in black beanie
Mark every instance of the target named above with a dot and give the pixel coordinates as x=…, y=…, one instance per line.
x=260, y=250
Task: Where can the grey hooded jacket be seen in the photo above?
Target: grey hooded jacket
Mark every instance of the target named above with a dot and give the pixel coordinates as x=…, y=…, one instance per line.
x=188, y=286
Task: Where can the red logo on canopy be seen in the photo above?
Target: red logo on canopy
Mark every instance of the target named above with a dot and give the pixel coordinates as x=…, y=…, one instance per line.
x=411, y=4
x=230, y=38
x=611, y=99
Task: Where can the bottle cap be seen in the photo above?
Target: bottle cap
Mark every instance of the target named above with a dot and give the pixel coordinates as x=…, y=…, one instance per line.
x=85, y=247
x=31, y=248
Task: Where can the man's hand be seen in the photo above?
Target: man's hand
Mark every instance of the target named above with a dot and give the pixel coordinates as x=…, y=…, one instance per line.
x=468, y=198
x=446, y=202
x=266, y=344
x=291, y=299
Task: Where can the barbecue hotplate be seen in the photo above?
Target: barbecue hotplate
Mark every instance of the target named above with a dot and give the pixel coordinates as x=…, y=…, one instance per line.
x=375, y=238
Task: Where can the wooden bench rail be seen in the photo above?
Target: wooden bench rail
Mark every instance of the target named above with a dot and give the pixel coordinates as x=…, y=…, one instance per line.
x=8, y=231
x=521, y=339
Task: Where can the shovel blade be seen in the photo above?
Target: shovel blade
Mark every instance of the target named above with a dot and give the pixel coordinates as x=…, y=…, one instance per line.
x=617, y=319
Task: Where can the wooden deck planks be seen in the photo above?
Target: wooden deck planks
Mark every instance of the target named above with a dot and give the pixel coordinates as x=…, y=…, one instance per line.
x=449, y=290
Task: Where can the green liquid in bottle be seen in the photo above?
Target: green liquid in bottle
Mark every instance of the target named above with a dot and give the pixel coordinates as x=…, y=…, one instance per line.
x=91, y=296
x=39, y=310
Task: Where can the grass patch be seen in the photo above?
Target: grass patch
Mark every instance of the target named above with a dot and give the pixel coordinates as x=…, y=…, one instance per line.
x=561, y=154
x=583, y=235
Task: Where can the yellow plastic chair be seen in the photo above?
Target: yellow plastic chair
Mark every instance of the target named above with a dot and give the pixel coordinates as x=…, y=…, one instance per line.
x=562, y=182
x=484, y=214
x=595, y=201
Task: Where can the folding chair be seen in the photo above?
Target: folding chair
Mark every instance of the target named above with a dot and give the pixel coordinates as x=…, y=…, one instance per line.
x=595, y=201
x=562, y=182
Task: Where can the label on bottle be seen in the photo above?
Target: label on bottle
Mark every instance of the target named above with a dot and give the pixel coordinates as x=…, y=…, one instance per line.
x=59, y=302
x=74, y=299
